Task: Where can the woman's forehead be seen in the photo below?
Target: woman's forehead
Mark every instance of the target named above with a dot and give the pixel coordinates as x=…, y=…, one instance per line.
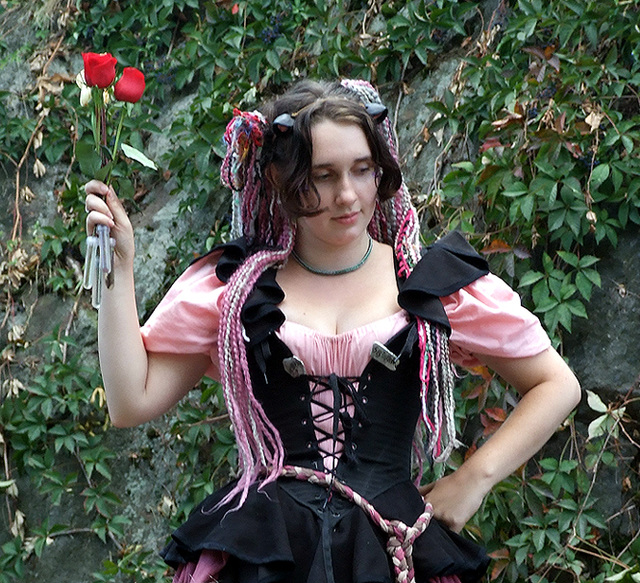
x=334, y=141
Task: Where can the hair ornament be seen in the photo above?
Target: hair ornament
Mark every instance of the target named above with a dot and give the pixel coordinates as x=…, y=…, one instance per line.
x=240, y=170
x=285, y=121
x=376, y=111
x=243, y=138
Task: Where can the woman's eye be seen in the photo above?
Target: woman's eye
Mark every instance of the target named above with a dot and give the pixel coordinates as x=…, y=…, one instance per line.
x=321, y=177
x=362, y=170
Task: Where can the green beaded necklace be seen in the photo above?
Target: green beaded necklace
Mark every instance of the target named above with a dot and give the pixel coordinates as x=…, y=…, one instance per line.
x=337, y=271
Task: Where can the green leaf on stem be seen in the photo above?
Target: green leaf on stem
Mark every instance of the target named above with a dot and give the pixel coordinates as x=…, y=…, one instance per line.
x=138, y=156
x=88, y=159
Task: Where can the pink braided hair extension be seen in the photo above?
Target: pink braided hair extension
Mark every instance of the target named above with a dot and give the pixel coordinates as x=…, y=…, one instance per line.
x=257, y=215
x=259, y=444
x=398, y=215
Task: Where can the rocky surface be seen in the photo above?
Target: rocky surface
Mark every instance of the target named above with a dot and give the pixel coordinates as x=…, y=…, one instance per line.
x=603, y=350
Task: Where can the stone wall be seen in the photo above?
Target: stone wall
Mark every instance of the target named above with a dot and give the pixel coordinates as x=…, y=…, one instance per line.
x=604, y=350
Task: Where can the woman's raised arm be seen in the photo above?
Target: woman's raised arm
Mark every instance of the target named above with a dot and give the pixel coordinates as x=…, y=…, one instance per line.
x=139, y=385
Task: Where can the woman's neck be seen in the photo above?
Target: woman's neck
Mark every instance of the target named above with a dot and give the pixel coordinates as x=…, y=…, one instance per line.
x=324, y=259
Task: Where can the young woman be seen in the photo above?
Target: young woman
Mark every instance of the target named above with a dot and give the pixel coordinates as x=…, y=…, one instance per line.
x=331, y=333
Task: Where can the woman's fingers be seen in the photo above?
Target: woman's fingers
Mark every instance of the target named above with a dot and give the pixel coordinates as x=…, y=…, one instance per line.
x=104, y=208
x=118, y=213
x=98, y=213
x=96, y=187
x=426, y=488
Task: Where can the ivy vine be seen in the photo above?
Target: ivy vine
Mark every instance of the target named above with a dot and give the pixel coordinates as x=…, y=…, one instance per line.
x=542, y=121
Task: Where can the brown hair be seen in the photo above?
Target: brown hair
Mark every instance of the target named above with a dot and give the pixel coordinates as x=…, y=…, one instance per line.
x=290, y=152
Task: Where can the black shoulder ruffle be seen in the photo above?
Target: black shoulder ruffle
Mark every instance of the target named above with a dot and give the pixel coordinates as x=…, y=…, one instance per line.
x=260, y=314
x=233, y=254
x=446, y=266
x=454, y=262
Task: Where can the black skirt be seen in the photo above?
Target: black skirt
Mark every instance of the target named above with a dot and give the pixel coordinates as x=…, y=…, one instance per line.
x=291, y=531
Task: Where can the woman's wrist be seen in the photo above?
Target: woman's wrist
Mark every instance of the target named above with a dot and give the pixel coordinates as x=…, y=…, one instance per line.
x=480, y=471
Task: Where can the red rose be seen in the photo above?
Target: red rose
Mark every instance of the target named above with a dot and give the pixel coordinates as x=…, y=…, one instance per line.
x=99, y=69
x=130, y=86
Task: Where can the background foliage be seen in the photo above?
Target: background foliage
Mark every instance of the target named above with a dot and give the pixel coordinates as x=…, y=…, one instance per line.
x=538, y=129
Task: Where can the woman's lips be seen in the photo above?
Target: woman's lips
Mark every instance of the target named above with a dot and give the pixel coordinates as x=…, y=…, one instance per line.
x=347, y=219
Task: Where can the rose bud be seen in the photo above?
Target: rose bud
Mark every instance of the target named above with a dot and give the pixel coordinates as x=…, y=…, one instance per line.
x=99, y=69
x=130, y=86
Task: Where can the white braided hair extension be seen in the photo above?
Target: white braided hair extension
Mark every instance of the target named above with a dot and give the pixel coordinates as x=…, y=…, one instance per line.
x=398, y=212
x=437, y=377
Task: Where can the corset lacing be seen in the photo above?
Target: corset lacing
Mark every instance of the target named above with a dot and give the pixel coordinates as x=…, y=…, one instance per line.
x=336, y=405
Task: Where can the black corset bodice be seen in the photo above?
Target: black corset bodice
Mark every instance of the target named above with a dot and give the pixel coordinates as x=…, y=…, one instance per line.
x=378, y=433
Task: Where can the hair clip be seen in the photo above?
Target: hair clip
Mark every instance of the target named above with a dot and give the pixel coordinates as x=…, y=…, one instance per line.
x=284, y=122
x=377, y=111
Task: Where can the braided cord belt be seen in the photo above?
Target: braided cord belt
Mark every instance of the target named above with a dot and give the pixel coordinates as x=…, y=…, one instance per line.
x=400, y=536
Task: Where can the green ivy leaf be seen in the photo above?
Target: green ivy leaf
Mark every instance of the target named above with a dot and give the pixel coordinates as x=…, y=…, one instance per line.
x=530, y=277
x=88, y=159
x=273, y=59
x=584, y=285
x=537, y=537
x=593, y=276
x=595, y=402
x=570, y=258
x=515, y=189
x=599, y=175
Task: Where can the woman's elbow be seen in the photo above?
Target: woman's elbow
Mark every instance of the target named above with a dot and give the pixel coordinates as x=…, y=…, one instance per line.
x=123, y=418
x=574, y=391
x=122, y=421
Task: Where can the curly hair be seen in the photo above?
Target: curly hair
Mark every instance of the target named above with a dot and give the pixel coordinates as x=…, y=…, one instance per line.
x=289, y=153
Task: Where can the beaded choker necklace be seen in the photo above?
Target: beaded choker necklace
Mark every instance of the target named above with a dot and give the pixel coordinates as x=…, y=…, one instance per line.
x=337, y=271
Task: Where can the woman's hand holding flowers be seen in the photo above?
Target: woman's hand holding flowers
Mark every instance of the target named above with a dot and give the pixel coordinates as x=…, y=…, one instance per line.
x=105, y=208
x=98, y=85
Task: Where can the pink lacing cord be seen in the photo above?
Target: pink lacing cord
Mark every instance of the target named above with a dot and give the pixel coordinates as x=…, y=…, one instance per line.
x=400, y=536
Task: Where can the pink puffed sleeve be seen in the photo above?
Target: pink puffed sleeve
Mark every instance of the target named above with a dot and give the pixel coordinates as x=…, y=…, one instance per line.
x=186, y=320
x=487, y=317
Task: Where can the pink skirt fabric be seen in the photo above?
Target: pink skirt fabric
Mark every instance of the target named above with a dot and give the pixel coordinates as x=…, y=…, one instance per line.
x=206, y=570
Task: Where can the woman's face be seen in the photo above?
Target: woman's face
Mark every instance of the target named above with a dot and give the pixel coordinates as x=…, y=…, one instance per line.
x=344, y=175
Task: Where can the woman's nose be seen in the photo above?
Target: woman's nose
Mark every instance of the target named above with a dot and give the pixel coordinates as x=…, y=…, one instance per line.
x=346, y=192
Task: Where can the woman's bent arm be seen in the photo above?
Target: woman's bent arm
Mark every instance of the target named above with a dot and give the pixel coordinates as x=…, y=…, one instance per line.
x=549, y=392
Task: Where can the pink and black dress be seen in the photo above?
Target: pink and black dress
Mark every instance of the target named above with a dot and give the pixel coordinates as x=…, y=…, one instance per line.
x=340, y=412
